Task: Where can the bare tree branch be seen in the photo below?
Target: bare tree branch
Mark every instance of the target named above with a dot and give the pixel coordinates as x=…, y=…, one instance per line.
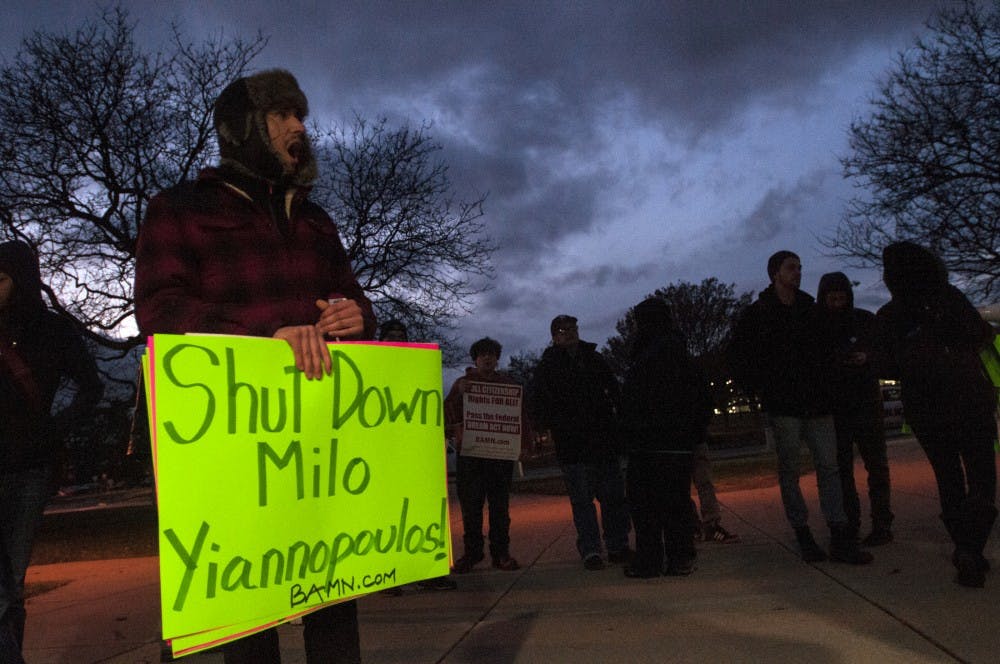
x=926, y=163
x=704, y=314
x=417, y=251
x=93, y=127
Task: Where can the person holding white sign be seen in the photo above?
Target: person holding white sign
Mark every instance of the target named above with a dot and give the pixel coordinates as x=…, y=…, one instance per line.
x=485, y=412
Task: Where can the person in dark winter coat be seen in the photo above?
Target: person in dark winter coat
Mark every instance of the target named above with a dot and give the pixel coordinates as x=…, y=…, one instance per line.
x=242, y=250
x=857, y=403
x=929, y=336
x=665, y=412
x=776, y=353
x=576, y=397
x=38, y=349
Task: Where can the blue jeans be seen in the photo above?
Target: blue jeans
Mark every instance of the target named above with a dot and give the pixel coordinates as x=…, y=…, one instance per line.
x=820, y=436
x=601, y=480
x=23, y=495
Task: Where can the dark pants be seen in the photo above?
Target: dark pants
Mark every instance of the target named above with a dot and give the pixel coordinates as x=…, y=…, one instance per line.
x=658, y=487
x=600, y=480
x=864, y=429
x=330, y=635
x=480, y=482
x=964, y=466
x=23, y=495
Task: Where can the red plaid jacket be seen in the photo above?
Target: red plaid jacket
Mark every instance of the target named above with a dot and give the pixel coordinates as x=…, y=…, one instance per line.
x=209, y=259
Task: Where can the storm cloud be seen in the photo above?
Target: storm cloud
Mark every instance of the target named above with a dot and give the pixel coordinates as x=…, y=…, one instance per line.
x=622, y=145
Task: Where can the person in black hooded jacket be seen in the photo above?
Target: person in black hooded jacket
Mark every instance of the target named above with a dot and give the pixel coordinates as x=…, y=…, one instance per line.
x=665, y=412
x=857, y=403
x=38, y=349
x=929, y=336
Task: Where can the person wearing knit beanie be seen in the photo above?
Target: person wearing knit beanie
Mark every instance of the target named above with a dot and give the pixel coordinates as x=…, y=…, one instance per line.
x=776, y=353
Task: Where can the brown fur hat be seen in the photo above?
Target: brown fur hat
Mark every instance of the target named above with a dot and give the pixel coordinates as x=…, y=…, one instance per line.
x=240, y=122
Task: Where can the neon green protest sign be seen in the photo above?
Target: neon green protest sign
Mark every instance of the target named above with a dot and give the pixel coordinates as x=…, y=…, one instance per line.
x=278, y=494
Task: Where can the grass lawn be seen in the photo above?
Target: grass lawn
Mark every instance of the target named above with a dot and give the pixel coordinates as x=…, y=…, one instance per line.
x=98, y=534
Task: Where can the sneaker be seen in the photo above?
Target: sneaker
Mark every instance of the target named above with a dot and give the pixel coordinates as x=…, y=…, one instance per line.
x=720, y=535
x=811, y=553
x=877, y=537
x=620, y=557
x=983, y=563
x=844, y=547
x=507, y=564
x=438, y=583
x=970, y=571
x=465, y=564
x=593, y=563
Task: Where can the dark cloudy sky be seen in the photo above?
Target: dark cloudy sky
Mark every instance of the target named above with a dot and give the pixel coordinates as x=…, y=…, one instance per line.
x=623, y=145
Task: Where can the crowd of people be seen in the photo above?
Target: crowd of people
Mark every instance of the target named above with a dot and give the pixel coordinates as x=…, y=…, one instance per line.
x=242, y=250
x=814, y=366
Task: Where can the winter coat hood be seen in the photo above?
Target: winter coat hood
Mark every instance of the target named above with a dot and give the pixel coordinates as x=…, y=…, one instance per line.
x=19, y=261
x=833, y=282
x=653, y=320
x=913, y=273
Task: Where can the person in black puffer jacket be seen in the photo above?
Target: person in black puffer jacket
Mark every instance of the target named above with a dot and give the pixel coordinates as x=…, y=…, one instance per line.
x=575, y=397
x=929, y=336
x=666, y=407
x=857, y=403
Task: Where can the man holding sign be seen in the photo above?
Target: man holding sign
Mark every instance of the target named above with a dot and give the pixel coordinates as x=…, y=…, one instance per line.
x=243, y=251
x=485, y=412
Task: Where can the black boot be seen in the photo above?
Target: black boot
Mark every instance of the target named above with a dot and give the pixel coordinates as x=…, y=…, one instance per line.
x=844, y=546
x=971, y=571
x=879, y=535
x=970, y=529
x=811, y=553
x=981, y=522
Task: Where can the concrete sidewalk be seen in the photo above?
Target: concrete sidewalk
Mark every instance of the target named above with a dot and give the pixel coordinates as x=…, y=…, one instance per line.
x=754, y=601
